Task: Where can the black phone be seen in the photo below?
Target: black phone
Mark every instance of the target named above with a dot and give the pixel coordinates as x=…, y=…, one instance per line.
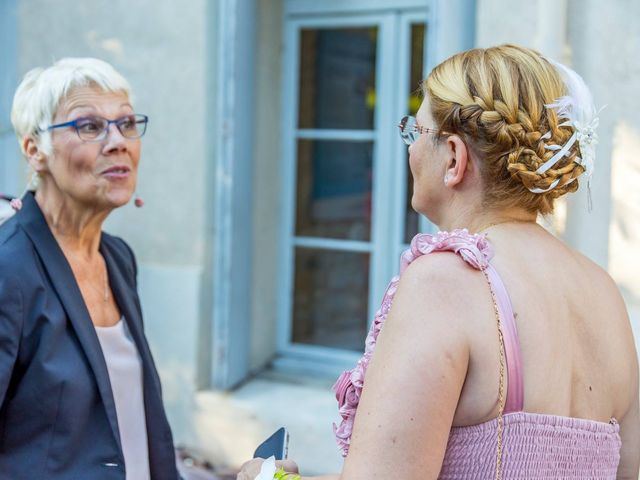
x=276, y=445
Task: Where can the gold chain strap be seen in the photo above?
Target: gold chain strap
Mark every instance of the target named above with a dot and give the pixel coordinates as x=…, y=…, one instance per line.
x=501, y=399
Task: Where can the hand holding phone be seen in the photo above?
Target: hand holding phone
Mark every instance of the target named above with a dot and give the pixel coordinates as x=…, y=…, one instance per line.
x=276, y=445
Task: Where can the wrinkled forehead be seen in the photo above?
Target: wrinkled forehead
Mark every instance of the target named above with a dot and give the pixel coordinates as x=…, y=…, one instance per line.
x=94, y=100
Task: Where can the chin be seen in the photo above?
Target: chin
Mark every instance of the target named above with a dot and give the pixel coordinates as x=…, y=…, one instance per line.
x=119, y=200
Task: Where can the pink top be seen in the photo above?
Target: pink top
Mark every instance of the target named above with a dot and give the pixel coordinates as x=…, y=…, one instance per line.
x=535, y=446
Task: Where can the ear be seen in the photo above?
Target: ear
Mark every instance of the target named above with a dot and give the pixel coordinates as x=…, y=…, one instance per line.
x=36, y=158
x=458, y=161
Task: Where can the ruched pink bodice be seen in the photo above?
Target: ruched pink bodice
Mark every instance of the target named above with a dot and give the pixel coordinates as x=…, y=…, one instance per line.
x=535, y=446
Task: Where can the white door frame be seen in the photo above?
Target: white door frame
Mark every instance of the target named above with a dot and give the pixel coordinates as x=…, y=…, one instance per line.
x=231, y=226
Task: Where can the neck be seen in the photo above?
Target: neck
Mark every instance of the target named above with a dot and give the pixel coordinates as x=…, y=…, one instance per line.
x=75, y=226
x=476, y=221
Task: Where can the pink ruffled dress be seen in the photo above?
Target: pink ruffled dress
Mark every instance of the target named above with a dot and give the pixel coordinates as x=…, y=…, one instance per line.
x=535, y=446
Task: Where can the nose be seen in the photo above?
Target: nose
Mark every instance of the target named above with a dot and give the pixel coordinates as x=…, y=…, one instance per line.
x=115, y=141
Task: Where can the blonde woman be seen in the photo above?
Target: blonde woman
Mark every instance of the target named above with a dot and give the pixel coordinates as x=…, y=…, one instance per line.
x=499, y=352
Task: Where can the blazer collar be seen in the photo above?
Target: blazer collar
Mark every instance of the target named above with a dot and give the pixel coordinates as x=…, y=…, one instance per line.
x=65, y=285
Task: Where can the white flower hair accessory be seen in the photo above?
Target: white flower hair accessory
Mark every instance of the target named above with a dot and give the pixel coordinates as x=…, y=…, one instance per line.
x=578, y=111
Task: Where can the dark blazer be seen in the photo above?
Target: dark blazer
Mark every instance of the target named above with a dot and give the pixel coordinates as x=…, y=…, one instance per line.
x=57, y=413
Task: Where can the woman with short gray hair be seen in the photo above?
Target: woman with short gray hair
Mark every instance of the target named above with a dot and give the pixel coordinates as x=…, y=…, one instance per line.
x=79, y=393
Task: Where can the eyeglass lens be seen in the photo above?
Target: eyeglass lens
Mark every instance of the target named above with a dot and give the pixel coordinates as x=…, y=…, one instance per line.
x=408, y=131
x=94, y=128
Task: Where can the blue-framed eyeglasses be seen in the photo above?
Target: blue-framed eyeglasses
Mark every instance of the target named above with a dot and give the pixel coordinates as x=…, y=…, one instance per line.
x=410, y=130
x=95, y=128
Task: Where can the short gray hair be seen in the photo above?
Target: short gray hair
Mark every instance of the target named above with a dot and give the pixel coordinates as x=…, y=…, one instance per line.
x=42, y=89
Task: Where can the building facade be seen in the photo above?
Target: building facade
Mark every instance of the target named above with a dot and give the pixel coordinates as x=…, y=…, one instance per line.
x=276, y=187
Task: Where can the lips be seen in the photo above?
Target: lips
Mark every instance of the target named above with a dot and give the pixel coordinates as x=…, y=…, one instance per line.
x=116, y=172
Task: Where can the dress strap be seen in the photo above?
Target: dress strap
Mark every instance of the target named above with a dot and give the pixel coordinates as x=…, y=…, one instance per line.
x=476, y=251
x=515, y=385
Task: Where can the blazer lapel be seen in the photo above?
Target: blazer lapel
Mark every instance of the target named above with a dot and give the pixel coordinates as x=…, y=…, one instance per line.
x=66, y=287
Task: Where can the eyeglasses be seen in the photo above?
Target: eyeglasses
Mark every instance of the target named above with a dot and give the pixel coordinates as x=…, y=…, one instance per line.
x=95, y=129
x=410, y=130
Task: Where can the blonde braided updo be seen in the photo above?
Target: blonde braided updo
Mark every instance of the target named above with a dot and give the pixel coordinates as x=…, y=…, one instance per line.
x=495, y=100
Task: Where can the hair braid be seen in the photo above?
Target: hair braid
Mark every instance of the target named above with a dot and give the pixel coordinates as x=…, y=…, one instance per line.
x=495, y=99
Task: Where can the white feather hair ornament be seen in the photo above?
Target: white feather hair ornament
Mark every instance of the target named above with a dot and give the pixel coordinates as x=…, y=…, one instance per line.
x=578, y=111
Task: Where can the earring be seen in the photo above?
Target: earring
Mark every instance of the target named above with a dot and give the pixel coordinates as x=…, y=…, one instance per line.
x=447, y=178
x=138, y=202
x=16, y=204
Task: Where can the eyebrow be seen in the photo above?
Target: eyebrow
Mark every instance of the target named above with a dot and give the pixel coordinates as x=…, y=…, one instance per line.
x=82, y=105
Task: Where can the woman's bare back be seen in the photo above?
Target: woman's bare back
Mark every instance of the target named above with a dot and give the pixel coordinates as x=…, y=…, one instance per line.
x=578, y=353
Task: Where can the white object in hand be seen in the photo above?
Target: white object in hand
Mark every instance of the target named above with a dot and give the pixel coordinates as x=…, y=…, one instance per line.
x=268, y=469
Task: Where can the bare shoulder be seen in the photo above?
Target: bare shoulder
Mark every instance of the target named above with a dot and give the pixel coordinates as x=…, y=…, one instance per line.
x=401, y=430
x=598, y=286
x=439, y=269
x=439, y=290
x=612, y=326
x=601, y=304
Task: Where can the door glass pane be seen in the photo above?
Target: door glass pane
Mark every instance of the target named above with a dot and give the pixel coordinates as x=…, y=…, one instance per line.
x=334, y=182
x=418, y=31
x=330, y=298
x=337, y=78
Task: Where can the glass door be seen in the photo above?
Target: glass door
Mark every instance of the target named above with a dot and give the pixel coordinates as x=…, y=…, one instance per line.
x=345, y=175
